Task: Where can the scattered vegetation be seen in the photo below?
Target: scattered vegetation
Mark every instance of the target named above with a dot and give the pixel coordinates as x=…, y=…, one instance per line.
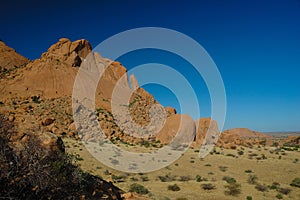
x=140, y=189
x=174, y=187
x=229, y=179
x=167, y=178
x=233, y=189
x=249, y=197
x=230, y=155
x=296, y=182
x=208, y=186
x=184, y=178
x=223, y=168
x=261, y=188
x=279, y=196
x=284, y=191
x=198, y=178
x=252, y=179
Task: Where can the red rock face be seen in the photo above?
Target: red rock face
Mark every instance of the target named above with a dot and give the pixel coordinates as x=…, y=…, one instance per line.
x=10, y=59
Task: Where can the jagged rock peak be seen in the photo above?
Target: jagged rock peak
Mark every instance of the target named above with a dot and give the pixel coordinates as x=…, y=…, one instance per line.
x=71, y=53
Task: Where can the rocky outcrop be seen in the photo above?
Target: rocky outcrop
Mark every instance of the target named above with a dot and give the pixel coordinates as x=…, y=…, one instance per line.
x=10, y=59
x=243, y=136
x=170, y=111
x=50, y=76
x=65, y=51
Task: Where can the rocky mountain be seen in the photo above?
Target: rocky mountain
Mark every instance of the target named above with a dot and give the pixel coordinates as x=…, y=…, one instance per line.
x=49, y=81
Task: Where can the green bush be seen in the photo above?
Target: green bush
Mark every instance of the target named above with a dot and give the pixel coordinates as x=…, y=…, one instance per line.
x=279, y=196
x=198, y=178
x=140, y=189
x=249, y=197
x=229, y=179
x=274, y=186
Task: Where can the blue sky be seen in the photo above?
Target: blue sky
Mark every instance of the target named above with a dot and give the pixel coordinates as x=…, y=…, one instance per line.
x=255, y=45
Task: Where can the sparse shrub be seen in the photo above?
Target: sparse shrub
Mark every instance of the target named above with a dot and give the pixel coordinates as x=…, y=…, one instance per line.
x=249, y=197
x=240, y=153
x=253, y=154
x=167, y=178
x=210, y=173
x=233, y=189
x=223, y=168
x=184, y=178
x=208, y=186
x=134, y=179
x=263, y=156
x=248, y=171
x=140, y=189
x=198, y=178
x=261, y=188
x=207, y=165
x=181, y=198
x=279, y=196
x=229, y=179
x=296, y=182
x=230, y=155
x=118, y=179
x=192, y=161
x=274, y=186
x=284, y=191
x=174, y=187
x=106, y=172
x=35, y=99
x=144, y=178
x=252, y=179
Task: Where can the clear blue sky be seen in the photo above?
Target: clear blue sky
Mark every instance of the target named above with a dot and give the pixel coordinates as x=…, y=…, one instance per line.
x=255, y=44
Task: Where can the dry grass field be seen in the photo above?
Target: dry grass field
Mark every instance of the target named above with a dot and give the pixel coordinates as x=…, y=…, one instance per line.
x=243, y=173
